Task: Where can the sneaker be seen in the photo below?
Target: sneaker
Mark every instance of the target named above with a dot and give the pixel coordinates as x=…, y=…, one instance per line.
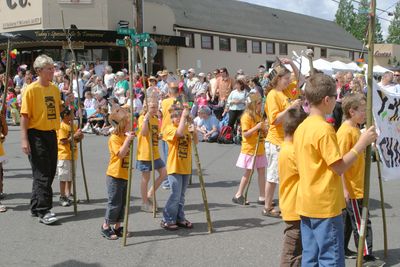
x=349, y=254
x=3, y=208
x=370, y=258
x=64, y=201
x=48, y=218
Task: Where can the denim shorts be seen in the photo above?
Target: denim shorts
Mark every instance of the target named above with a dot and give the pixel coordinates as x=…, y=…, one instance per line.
x=145, y=166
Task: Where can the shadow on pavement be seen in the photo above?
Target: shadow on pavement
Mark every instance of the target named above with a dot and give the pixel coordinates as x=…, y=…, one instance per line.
x=222, y=226
x=74, y=263
x=375, y=204
x=222, y=184
x=393, y=258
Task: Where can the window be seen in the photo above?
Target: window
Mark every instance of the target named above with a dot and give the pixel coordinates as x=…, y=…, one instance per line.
x=224, y=44
x=207, y=42
x=351, y=55
x=324, y=52
x=256, y=47
x=241, y=45
x=282, y=49
x=189, y=39
x=270, y=48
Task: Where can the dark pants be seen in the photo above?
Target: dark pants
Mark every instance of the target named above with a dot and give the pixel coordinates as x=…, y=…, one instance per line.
x=1, y=177
x=116, y=189
x=337, y=115
x=291, y=251
x=43, y=159
x=354, y=211
x=234, y=116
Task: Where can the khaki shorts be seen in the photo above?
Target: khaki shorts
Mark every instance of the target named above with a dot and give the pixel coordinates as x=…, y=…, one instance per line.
x=64, y=170
x=272, y=152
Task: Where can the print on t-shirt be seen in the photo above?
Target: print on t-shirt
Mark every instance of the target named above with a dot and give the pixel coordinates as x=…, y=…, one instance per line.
x=51, y=107
x=154, y=131
x=125, y=162
x=183, y=146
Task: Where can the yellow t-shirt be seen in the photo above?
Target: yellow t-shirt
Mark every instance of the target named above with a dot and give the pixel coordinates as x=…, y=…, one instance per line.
x=64, y=150
x=348, y=136
x=117, y=168
x=292, y=92
x=166, y=115
x=276, y=103
x=143, y=150
x=42, y=105
x=320, y=192
x=249, y=143
x=2, y=153
x=288, y=182
x=179, y=151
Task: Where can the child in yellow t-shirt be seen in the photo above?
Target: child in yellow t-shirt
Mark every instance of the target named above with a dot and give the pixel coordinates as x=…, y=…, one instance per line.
x=143, y=158
x=117, y=173
x=320, y=197
x=179, y=167
x=4, y=132
x=289, y=178
x=64, y=164
x=354, y=110
x=251, y=123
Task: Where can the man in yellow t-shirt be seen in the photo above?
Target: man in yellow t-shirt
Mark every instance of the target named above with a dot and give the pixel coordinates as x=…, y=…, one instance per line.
x=40, y=118
x=289, y=178
x=354, y=110
x=320, y=198
x=179, y=167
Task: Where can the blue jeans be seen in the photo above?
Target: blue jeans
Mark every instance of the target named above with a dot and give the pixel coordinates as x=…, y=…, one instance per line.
x=116, y=190
x=164, y=149
x=323, y=241
x=173, y=210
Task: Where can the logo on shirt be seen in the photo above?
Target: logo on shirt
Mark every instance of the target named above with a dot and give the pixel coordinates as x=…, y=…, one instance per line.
x=154, y=134
x=183, y=147
x=125, y=162
x=51, y=107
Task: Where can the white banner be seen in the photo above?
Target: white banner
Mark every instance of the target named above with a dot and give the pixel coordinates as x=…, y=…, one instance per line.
x=386, y=111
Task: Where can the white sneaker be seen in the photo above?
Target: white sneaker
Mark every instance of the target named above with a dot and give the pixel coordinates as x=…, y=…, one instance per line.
x=48, y=218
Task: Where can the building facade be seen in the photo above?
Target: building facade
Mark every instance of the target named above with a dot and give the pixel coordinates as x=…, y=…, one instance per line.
x=200, y=34
x=387, y=55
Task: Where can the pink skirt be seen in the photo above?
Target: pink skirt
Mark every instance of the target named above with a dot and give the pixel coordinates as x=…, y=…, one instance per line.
x=246, y=161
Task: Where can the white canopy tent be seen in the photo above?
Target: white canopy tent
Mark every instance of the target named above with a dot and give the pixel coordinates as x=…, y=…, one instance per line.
x=354, y=67
x=323, y=65
x=377, y=70
x=340, y=66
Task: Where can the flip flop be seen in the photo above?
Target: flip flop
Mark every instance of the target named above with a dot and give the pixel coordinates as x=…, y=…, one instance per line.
x=185, y=224
x=169, y=226
x=239, y=200
x=271, y=213
x=3, y=208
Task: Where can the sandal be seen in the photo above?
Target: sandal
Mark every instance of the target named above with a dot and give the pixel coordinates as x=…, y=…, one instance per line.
x=239, y=200
x=169, y=226
x=109, y=233
x=185, y=224
x=3, y=208
x=271, y=213
x=120, y=232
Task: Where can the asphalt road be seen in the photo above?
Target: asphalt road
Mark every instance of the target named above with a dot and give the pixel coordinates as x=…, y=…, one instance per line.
x=242, y=236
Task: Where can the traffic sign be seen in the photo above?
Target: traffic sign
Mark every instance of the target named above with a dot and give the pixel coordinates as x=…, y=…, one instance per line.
x=126, y=31
x=144, y=44
x=120, y=42
x=142, y=36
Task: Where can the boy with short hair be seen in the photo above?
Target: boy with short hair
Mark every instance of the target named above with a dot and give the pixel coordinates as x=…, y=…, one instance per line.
x=354, y=110
x=289, y=178
x=320, y=197
x=64, y=165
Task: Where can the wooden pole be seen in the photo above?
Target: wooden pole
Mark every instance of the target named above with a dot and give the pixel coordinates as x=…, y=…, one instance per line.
x=252, y=166
x=128, y=44
x=364, y=219
x=72, y=142
x=6, y=77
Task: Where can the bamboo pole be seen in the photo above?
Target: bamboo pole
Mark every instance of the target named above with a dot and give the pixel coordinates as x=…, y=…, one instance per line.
x=6, y=77
x=153, y=171
x=385, y=239
x=364, y=219
x=128, y=44
x=72, y=142
x=202, y=187
x=252, y=166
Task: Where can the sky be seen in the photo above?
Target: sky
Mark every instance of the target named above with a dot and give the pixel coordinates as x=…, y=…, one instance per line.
x=324, y=9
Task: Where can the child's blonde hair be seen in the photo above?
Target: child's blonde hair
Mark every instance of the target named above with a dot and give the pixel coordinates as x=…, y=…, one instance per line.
x=251, y=105
x=119, y=119
x=352, y=101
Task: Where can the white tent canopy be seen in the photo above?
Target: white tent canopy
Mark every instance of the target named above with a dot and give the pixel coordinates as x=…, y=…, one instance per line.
x=354, y=66
x=340, y=66
x=377, y=70
x=323, y=65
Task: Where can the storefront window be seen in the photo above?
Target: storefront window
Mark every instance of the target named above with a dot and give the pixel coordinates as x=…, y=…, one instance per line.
x=101, y=54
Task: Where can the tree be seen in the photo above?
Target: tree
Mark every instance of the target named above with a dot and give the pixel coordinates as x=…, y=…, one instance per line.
x=394, y=27
x=344, y=16
x=378, y=32
x=360, y=27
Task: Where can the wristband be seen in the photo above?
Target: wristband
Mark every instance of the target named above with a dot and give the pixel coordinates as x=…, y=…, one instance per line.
x=355, y=152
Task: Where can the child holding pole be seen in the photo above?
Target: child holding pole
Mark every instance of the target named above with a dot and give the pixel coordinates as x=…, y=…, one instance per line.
x=354, y=110
x=179, y=167
x=289, y=178
x=117, y=173
x=251, y=124
x=143, y=162
x=64, y=164
x=320, y=197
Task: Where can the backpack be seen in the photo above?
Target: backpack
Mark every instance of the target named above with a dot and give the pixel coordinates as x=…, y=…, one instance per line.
x=225, y=135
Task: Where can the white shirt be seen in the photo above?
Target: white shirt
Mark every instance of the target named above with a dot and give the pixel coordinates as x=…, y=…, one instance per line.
x=109, y=80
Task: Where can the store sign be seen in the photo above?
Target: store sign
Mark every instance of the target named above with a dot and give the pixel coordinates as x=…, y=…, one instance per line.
x=168, y=40
x=22, y=23
x=12, y=4
x=382, y=54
